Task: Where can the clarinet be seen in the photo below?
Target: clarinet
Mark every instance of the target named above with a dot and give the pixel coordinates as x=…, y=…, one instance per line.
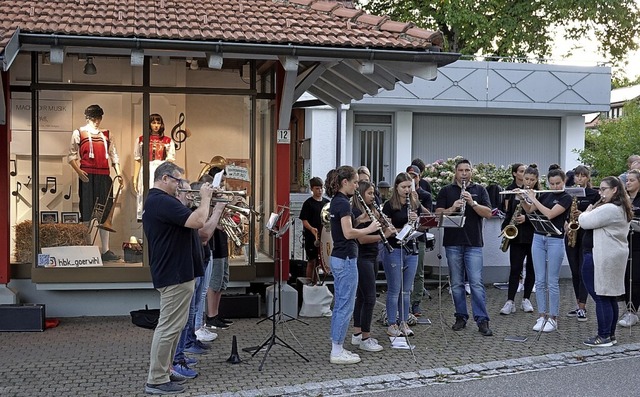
x=383, y=238
x=413, y=250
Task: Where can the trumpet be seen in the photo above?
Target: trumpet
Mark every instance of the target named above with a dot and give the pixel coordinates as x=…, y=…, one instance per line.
x=196, y=192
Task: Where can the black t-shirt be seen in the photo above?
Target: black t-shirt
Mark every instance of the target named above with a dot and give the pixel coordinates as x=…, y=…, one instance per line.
x=635, y=244
x=310, y=212
x=426, y=186
x=339, y=208
x=549, y=200
x=366, y=251
x=172, y=248
x=220, y=246
x=471, y=233
x=399, y=219
x=525, y=230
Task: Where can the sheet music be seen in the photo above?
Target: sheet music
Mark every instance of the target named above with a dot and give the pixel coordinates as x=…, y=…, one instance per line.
x=217, y=179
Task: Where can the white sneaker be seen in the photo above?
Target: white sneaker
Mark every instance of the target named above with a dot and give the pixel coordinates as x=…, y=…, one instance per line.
x=550, y=326
x=520, y=287
x=628, y=319
x=370, y=345
x=405, y=330
x=394, y=331
x=538, y=325
x=345, y=357
x=508, y=308
x=204, y=335
x=527, y=307
x=356, y=340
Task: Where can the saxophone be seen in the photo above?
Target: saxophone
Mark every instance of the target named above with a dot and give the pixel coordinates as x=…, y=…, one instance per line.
x=572, y=233
x=511, y=230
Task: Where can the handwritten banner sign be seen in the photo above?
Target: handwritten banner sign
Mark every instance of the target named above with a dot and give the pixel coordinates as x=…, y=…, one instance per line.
x=237, y=172
x=70, y=256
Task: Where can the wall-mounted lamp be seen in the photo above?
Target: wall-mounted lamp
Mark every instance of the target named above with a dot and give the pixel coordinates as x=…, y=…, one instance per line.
x=57, y=55
x=137, y=57
x=46, y=60
x=193, y=65
x=89, y=67
x=214, y=61
x=155, y=61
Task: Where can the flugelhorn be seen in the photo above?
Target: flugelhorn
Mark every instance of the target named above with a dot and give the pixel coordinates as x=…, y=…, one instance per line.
x=241, y=193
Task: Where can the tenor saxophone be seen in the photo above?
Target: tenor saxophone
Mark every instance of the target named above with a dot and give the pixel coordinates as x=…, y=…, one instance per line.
x=572, y=233
x=511, y=230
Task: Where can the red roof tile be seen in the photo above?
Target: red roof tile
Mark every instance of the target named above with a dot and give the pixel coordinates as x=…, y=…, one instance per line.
x=313, y=22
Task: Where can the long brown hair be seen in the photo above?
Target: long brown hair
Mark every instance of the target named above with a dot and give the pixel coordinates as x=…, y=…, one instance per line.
x=620, y=197
x=396, y=201
x=333, y=181
x=363, y=186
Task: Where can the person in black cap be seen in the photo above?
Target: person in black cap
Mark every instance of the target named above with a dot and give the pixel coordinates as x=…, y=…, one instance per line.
x=89, y=153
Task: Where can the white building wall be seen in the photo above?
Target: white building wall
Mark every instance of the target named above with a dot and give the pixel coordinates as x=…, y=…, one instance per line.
x=404, y=143
x=572, y=140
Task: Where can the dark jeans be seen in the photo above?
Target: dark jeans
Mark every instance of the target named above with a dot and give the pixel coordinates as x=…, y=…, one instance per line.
x=606, y=306
x=518, y=252
x=574, y=256
x=366, y=294
x=634, y=294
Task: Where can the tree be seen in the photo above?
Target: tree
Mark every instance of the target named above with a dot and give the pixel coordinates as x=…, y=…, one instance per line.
x=519, y=28
x=607, y=148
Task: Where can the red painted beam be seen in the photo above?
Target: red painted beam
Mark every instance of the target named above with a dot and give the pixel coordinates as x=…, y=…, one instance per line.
x=282, y=173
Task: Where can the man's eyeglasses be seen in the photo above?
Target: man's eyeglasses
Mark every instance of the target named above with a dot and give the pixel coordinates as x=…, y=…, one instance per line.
x=175, y=179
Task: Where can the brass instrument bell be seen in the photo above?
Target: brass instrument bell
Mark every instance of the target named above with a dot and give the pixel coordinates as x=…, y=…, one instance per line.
x=216, y=161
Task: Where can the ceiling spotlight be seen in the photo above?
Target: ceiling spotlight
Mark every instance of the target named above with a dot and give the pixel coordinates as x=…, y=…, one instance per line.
x=46, y=60
x=89, y=67
x=194, y=64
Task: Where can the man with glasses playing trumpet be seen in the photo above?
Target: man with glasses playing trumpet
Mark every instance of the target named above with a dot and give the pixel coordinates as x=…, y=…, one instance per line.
x=174, y=261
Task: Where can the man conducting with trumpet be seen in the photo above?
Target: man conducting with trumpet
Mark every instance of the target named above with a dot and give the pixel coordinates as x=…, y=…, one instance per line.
x=463, y=245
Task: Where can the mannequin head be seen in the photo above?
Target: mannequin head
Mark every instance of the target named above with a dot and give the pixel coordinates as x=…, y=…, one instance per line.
x=156, y=125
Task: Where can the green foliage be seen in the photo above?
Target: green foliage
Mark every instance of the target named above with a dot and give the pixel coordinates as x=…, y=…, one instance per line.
x=441, y=172
x=607, y=148
x=519, y=28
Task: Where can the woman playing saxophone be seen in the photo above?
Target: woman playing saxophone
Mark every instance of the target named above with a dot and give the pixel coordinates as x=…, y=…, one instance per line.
x=573, y=245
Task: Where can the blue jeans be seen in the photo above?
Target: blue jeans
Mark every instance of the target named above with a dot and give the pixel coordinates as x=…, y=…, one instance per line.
x=549, y=249
x=399, y=269
x=201, y=292
x=345, y=284
x=467, y=260
x=188, y=336
x=606, y=306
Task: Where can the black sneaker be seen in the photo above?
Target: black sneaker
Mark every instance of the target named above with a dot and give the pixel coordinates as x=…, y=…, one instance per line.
x=201, y=345
x=164, y=388
x=225, y=320
x=483, y=328
x=613, y=339
x=573, y=313
x=109, y=256
x=460, y=324
x=214, y=322
x=581, y=314
x=597, y=341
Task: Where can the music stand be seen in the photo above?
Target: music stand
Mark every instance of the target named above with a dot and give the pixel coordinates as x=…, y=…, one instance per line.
x=634, y=227
x=277, y=225
x=454, y=220
x=542, y=224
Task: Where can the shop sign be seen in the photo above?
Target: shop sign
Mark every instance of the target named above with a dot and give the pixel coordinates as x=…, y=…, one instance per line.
x=284, y=136
x=237, y=172
x=70, y=256
x=54, y=115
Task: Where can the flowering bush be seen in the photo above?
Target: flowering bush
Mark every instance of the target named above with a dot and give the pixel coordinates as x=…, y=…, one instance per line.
x=441, y=172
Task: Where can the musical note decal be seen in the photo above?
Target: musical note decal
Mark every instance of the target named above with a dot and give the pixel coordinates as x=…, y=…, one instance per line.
x=28, y=181
x=16, y=192
x=68, y=195
x=13, y=163
x=177, y=134
x=54, y=183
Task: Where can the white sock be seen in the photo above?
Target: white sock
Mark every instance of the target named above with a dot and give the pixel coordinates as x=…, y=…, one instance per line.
x=336, y=349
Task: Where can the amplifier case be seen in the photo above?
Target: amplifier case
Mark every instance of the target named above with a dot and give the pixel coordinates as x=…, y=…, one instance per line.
x=22, y=317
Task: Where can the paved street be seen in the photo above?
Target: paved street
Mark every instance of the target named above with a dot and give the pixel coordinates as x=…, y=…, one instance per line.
x=94, y=356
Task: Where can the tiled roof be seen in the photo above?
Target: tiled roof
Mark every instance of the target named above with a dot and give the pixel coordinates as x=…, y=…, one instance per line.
x=302, y=22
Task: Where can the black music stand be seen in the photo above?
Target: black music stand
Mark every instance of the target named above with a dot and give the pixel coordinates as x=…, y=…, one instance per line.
x=454, y=220
x=543, y=225
x=634, y=227
x=277, y=225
